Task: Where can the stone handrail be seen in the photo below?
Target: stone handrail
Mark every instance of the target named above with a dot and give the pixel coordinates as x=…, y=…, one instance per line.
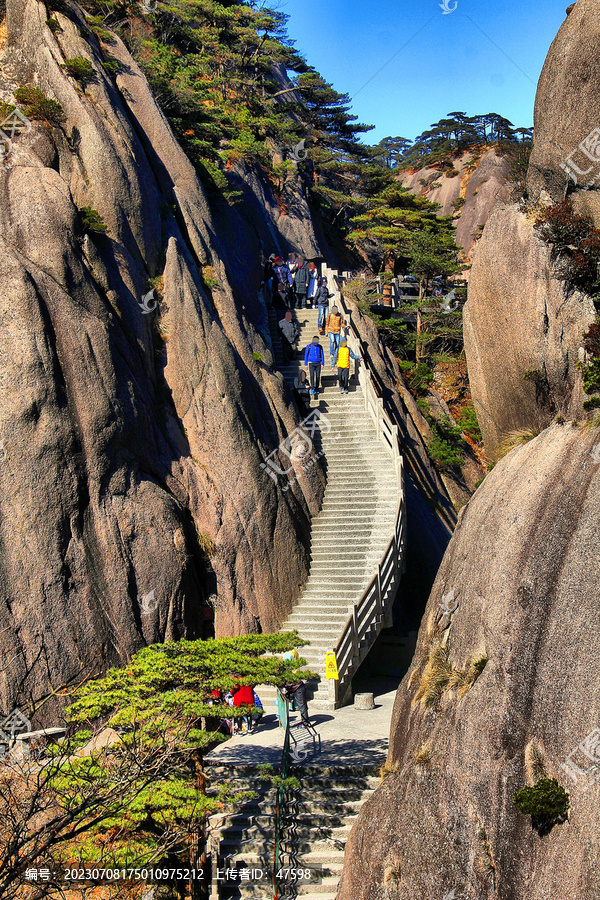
x=375, y=605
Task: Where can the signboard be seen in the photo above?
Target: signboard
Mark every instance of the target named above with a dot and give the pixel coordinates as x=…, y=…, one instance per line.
x=331, y=669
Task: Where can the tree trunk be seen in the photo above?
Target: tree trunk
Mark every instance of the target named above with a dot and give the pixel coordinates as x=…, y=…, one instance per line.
x=419, y=329
x=387, y=287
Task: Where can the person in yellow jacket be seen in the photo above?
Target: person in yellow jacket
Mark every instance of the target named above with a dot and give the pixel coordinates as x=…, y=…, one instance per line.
x=342, y=358
x=334, y=326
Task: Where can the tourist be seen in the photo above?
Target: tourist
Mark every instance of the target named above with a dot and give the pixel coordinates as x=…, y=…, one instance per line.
x=322, y=299
x=342, y=358
x=301, y=281
x=334, y=326
x=243, y=696
x=282, y=276
x=302, y=392
x=296, y=692
x=313, y=284
x=290, y=332
x=314, y=358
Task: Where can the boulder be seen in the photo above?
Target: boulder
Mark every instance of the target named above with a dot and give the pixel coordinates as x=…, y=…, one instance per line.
x=524, y=566
x=522, y=331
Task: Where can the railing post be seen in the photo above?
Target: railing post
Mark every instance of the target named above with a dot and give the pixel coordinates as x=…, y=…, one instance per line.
x=354, y=634
x=379, y=606
x=333, y=689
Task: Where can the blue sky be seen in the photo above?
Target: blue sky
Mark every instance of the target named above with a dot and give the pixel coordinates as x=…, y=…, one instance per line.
x=486, y=56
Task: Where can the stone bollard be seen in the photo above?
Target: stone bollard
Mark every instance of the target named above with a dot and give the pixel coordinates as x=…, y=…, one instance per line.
x=364, y=701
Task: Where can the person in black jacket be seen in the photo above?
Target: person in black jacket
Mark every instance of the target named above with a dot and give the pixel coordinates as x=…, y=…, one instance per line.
x=301, y=280
x=322, y=299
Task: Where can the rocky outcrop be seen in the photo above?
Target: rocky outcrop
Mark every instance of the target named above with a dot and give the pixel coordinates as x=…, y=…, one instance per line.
x=132, y=488
x=476, y=180
x=519, y=319
x=522, y=333
x=518, y=587
x=567, y=106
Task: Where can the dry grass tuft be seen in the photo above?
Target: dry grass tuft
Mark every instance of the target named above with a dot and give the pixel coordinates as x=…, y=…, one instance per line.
x=439, y=676
x=534, y=761
x=515, y=439
x=422, y=756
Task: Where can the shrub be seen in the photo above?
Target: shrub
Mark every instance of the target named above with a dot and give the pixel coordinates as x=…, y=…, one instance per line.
x=112, y=66
x=592, y=402
x=80, y=68
x=92, y=221
x=53, y=25
x=467, y=421
x=446, y=447
x=591, y=340
x=37, y=106
x=591, y=377
x=458, y=203
x=419, y=377
x=575, y=246
x=546, y=802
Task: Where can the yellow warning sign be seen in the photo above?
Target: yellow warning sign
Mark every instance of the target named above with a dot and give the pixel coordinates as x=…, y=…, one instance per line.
x=331, y=669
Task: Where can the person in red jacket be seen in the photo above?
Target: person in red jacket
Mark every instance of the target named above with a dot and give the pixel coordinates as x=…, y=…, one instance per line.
x=243, y=696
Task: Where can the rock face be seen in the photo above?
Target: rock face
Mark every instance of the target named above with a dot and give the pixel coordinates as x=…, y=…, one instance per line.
x=518, y=322
x=567, y=106
x=132, y=492
x=479, y=187
x=518, y=586
x=518, y=318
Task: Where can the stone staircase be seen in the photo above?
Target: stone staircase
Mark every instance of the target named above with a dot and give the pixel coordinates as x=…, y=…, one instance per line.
x=316, y=821
x=353, y=529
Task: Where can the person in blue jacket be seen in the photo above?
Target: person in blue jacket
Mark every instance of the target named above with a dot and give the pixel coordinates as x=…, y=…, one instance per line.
x=314, y=358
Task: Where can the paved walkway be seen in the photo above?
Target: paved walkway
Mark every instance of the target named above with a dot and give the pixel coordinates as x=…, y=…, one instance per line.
x=348, y=736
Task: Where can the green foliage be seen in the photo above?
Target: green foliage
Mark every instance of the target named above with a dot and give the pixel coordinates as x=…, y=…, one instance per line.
x=161, y=707
x=112, y=66
x=53, y=24
x=467, y=421
x=591, y=377
x=92, y=221
x=79, y=68
x=592, y=402
x=405, y=227
x=458, y=203
x=546, y=802
x=419, y=377
x=575, y=244
x=37, y=106
x=452, y=136
x=446, y=447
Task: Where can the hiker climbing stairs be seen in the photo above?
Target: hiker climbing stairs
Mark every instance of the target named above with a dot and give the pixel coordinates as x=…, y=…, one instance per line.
x=351, y=533
x=316, y=821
